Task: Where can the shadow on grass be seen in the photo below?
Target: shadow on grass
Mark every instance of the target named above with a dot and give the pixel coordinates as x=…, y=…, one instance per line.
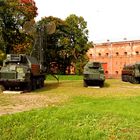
x=49, y=86
x=106, y=85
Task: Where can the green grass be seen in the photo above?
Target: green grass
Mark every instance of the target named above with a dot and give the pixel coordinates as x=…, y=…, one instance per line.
x=109, y=113
x=65, y=77
x=82, y=118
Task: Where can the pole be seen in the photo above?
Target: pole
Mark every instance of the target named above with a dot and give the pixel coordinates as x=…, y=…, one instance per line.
x=111, y=60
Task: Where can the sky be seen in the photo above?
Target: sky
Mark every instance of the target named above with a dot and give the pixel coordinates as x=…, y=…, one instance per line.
x=113, y=20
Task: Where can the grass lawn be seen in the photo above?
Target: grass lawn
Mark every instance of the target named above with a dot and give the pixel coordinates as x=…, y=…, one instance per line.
x=69, y=111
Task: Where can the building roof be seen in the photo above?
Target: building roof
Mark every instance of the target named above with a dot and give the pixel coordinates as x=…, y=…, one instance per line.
x=117, y=42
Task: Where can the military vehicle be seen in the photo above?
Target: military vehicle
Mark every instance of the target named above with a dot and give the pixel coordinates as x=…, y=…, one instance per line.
x=93, y=74
x=131, y=73
x=20, y=71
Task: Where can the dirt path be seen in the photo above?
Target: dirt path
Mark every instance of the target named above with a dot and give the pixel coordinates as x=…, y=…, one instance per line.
x=25, y=102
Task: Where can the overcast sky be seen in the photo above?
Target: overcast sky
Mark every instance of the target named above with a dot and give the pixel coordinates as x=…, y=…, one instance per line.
x=106, y=19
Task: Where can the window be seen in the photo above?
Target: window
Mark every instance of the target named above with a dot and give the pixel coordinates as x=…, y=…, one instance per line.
x=99, y=54
x=117, y=53
x=107, y=54
x=125, y=53
x=137, y=53
x=90, y=54
x=117, y=72
x=106, y=72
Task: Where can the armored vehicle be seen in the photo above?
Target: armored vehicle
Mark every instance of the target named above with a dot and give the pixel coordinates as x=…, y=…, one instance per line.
x=93, y=74
x=20, y=71
x=131, y=73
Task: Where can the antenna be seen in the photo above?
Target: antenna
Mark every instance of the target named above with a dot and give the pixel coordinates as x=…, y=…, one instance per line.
x=51, y=27
x=38, y=48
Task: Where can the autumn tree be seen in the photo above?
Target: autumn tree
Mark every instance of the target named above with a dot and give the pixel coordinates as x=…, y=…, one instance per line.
x=14, y=15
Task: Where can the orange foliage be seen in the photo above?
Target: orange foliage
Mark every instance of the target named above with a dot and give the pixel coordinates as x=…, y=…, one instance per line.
x=26, y=1
x=29, y=7
x=21, y=48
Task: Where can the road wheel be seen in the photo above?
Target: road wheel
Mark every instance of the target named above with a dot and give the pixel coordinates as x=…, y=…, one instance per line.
x=42, y=82
x=101, y=84
x=27, y=87
x=134, y=80
x=2, y=88
x=85, y=84
x=124, y=78
x=34, y=84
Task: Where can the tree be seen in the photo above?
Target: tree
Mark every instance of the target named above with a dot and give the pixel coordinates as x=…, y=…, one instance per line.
x=80, y=63
x=14, y=14
x=67, y=45
x=78, y=34
x=49, y=41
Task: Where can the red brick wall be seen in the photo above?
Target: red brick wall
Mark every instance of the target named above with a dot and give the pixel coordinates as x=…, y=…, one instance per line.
x=116, y=55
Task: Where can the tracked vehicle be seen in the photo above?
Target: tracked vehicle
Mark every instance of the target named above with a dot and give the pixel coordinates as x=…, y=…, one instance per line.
x=93, y=74
x=20, y=71
x=131, y=73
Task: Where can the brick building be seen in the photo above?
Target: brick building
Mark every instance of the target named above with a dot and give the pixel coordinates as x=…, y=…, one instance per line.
x=115, y=55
